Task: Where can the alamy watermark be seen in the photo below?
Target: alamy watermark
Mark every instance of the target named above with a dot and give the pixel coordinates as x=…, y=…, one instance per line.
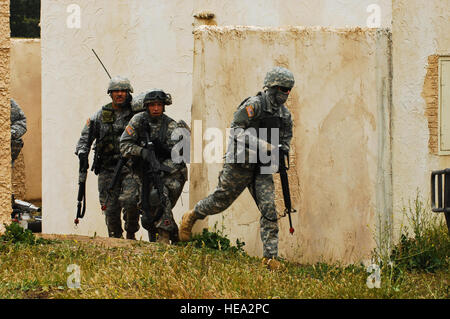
x=251, y=145
x=73, y=20
x=374, y=279
x=74, y=280
x=374, y=19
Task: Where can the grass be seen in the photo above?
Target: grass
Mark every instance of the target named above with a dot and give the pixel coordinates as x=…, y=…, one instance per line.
x=38, y=269
x=209, y=266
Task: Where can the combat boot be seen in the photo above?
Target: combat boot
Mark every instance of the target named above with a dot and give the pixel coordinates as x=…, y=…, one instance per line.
x=271, y=263
x=163, y=237
x=187, y=222
x=131, y=236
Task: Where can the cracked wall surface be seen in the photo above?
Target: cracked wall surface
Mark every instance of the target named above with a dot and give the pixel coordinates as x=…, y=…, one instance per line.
x=151, y=42
x=419, y=35
x=340, y=179
x=26, y=91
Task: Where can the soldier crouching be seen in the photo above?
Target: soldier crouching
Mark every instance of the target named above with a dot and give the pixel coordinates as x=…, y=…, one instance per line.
x=148, y=141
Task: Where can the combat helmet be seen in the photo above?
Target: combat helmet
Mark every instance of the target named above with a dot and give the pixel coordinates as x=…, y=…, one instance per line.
x=279, y=76
x=119, y=83
x=157, y=95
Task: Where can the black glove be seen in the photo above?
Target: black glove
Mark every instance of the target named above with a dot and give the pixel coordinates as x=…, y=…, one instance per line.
x=84, y=161
x=283, y=151
x=145, y=154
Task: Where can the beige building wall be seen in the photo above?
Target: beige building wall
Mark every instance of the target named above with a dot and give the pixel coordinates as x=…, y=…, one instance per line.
x=152, y=43
x=420, y=35
x=26, y=91
x=273, y=13
x=340, y=178
x=5, y=107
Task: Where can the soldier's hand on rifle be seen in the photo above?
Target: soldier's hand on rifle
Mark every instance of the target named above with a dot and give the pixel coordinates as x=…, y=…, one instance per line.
x=145, y=154
x=266, y=147
x=84, y=161
x=283, y=150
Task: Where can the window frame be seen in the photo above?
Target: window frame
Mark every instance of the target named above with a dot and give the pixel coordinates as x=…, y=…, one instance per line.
x=441, y=59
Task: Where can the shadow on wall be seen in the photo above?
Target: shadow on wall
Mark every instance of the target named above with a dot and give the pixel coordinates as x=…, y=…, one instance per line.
x=26, y=91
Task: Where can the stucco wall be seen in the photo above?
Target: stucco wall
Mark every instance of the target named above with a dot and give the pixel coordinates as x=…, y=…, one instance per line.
x=341, y=109
x=26, y=90
x=5, y=132
x=273, y=13
x=151, y=42
x=419, y=33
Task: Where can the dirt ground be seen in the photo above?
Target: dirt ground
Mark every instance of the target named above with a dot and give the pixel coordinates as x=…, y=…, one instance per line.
x=100, y=241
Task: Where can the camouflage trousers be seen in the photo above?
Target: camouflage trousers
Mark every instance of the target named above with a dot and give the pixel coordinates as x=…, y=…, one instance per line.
x=124, y=197
x=233, y=179
x=16, y=147
x=172, y=188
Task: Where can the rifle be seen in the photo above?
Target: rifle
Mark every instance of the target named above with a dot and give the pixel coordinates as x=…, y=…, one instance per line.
x=81, y=198
x=117, y=171
x=285, y=187
x=152, y=172
x=23, y=214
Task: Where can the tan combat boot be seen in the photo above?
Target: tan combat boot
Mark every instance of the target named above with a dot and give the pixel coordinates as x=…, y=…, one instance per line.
x=163, y=237
x=187, y=222
x=271, y=263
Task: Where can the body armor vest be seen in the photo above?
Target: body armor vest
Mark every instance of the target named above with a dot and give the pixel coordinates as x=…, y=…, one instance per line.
x=108, y=137
x=266, y=120
x=158, y=138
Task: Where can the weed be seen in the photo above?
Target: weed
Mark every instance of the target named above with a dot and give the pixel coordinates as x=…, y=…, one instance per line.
x=426, y=250
x=429, y=247
x=14, y=233
x=217, y=240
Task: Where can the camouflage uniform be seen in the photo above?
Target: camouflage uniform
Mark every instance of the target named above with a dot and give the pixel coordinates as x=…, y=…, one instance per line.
x=18, y=129
x=132, y=142
x=106, y=127
x=265, y=110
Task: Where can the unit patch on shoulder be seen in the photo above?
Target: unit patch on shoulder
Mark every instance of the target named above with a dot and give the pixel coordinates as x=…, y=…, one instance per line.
x=250, y=110
x=129, y=130
x=88, y=122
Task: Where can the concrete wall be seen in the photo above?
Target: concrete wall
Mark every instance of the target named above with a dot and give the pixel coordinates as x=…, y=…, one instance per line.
x=151, y=42
x=420, y=34
x=273, y=13
x=340, y=177
x=5, y=132
x=26, y=90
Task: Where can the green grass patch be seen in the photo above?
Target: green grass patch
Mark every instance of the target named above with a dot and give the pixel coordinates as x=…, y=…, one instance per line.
x=209, y=266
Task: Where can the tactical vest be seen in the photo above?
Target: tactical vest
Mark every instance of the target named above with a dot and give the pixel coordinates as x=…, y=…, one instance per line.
x=266, y=120
x=162, y=150
x=107, y=145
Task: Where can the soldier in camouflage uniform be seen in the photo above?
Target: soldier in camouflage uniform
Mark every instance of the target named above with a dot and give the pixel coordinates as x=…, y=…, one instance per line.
x=153, y=126
x=18, y=129
x=265, y=110
x=106, y=127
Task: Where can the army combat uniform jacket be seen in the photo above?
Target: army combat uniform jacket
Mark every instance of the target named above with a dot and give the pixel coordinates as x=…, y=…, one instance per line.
x=18, y=129
x=159, y=131
x=105, y=128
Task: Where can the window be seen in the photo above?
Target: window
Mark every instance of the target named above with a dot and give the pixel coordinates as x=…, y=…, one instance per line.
x=24, y=18
x=444, y=105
